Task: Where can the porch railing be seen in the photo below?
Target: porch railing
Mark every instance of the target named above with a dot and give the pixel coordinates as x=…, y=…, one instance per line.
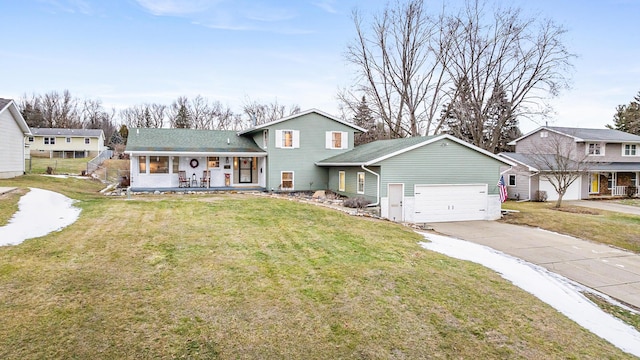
x=622, y=190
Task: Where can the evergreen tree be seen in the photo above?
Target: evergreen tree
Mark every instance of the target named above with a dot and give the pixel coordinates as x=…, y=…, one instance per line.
x=627, y=117
x=364, y=119
x=124, y=133
x=182, y=118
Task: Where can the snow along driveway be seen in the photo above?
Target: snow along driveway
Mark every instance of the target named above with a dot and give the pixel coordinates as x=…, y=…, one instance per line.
x=561, y=293
x=39, y=213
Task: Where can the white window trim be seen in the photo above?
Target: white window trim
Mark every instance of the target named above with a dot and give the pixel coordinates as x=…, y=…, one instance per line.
x=636, y=149
x=364, y=178
x=68, y=140
x=344, y=140
x=293, y=179
x=602, y=147
x=265, y=138
x=295, y=141
x=48, y=140
x=515, y=180
x=342, y=185
x=87, y=141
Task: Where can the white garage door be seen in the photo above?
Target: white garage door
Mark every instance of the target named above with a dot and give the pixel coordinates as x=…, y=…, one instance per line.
x=573, y=192
x=438, y=203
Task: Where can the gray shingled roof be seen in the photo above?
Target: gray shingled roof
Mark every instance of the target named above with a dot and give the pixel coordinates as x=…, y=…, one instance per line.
x=66, y=132
x=616, y=166
x=374, y=150
x=4, y=103
x=189, y=140
x=597, y=134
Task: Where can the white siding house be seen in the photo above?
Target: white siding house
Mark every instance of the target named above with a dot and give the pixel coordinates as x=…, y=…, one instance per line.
x=13, y=130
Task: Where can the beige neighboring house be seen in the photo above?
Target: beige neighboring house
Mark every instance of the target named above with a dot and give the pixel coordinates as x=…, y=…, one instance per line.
x=13, y=130
x=66, y=143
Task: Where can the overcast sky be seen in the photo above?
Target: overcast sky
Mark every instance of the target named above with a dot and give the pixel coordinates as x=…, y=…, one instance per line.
x=128, y=52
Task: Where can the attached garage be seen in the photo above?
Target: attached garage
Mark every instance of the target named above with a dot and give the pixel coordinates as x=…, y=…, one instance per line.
x=438, y=203
x=573, y=192
x=421, y=179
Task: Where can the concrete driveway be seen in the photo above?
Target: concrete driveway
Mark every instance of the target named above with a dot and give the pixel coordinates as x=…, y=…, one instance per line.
x=611, y=271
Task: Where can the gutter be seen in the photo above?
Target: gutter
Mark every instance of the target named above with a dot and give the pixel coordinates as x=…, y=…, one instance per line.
x=377, y=185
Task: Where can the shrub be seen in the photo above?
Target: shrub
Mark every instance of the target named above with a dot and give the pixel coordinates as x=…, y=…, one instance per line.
x=631, y=191
x=540, y=196
x=356, y=202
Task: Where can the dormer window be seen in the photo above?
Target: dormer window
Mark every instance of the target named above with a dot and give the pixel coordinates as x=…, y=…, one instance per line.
x=595, y=149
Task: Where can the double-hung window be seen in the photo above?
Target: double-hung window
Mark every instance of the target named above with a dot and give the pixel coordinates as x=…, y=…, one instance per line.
x=595, y=149
x=341, y=180
x=629, y=150
x=49, y=140
x=87, y=141
x=512, y=180
x=287, y=139
x=286, y=178
x=360, y=185
x=337, y=140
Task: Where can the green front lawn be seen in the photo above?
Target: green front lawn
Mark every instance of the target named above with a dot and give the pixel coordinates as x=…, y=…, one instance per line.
x=602, y=226
x=240, y=276
x=37, y=165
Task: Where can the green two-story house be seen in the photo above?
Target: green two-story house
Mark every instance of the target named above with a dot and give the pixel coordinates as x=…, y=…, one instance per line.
x=420, y=179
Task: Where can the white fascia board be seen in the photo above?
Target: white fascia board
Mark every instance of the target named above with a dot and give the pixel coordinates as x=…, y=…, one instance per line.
x=530, y=168
x=340, y=164
x=191, y=153
x=18, y=116
x=320, y=112
x=513, y=142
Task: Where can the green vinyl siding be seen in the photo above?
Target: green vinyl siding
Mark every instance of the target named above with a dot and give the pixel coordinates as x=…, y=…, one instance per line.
x=312, y=128
x=437, y=163
x=351, y=181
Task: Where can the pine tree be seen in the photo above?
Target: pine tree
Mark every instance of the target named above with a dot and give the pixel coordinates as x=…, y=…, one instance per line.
x=627, y=117
x=182, y=118
x=364, y=119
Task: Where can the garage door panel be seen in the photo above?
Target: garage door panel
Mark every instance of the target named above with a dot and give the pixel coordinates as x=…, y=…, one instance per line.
x=572, y=193
x=435, y=203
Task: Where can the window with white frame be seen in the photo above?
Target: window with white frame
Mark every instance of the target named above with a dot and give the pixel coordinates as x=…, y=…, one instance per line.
x=629, y=150
x=337, y=140
x=30, y=138
x=360, y=185
x=512, y=180
x=544, y=134
x=265, y=138
x=341, y=181
x=87, y=141
x=49, y=140
x=68, y=140
x=287, y=139
x=595, y=149
x=158, y=164
x=213, y=162
x=142, y=164
x=286, y=180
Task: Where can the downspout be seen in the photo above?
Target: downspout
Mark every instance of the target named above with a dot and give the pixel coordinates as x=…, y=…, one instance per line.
x=377, y=185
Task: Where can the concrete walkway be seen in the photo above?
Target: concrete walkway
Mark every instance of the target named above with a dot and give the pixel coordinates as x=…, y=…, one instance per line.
x=606, y=205
x=4, y=190
x=611, y=271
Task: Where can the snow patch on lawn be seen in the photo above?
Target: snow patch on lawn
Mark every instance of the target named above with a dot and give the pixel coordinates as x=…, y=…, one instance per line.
x=39, y=213
x=561, y=293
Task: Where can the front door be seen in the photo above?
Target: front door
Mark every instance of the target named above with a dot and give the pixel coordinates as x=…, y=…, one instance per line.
x=396, y=196
x=246, y=170
x=594, y=186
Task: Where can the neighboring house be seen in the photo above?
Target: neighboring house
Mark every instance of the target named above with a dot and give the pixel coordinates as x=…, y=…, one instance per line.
x=13, y=129
x=613, y=158
x=420, y=179
x=66, y=143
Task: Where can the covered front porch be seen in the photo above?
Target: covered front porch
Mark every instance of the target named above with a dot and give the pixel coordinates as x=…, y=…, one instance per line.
x=197, y=171
x=613, y=183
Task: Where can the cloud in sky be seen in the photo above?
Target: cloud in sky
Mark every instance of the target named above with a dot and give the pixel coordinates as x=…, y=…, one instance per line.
x=69, y=6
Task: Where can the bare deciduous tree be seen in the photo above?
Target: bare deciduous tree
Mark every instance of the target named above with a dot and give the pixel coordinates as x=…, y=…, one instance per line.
x=500, y=58
x=263, y=113
x=560, y=161
x=401, y=65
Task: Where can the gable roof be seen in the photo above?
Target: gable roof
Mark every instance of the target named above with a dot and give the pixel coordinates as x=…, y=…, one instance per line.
x=189, y=141
x=9, y=104
x=380, y=150
x=306, y=112
x=586, y=135
x=67, y=132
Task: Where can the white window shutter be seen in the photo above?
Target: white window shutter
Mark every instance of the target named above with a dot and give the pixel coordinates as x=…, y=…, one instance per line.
x=278, y=143
x=296, y=139
x=344, y=140
x=328, y=140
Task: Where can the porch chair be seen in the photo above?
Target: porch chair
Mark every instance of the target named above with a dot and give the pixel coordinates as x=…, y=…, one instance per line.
x=182, y=179
x=205, y=180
